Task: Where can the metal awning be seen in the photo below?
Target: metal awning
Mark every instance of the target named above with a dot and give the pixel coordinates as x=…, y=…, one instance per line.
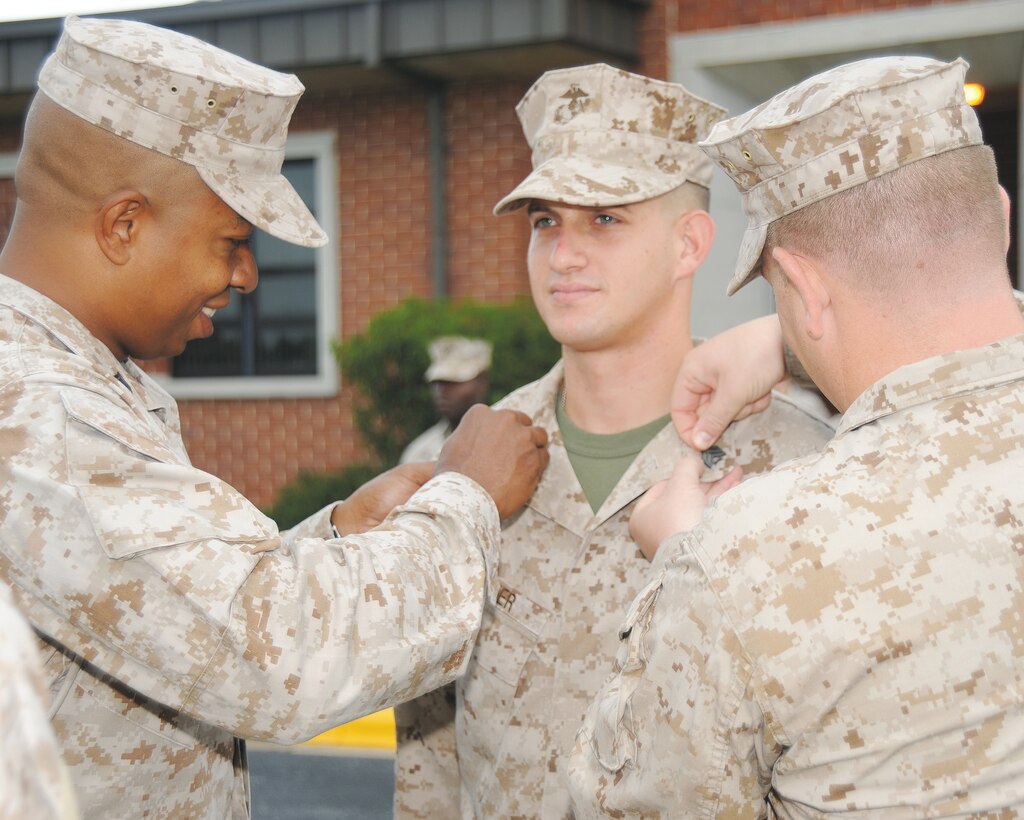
x=358, y=43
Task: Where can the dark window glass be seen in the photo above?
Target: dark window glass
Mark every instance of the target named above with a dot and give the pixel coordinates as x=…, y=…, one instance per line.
x=271, y=331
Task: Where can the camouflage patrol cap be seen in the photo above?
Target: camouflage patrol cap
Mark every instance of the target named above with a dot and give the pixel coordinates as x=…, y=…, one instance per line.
x=457, y=359
x=194, y=102
x=834, y=131
x=602, y=136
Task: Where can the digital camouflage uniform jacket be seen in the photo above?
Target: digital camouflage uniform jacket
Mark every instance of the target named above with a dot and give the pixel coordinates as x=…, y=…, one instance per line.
x=550, y=628
x=843, y=636
x=33, y=781
x=176, y=616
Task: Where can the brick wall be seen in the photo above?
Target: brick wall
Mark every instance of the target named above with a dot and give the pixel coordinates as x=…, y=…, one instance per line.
x=652, y=38
x=487, y=158
x=666, y=17
x=695, y=15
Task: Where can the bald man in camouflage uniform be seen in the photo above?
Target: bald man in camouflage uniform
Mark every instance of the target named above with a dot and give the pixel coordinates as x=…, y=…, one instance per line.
x=174, y=618
x=844, y=635
x=617, y=207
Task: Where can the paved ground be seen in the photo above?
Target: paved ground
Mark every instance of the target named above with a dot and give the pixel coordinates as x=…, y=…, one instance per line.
x=319, y=784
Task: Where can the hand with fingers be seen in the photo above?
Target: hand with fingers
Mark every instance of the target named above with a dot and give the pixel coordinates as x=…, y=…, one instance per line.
x=676, y=504
x=726, y=378
x=501, y=450
x=371, y=503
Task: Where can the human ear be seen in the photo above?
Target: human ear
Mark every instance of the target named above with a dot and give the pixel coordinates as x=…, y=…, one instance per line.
x=695, y=231
x=117, y=225
x=805, y=277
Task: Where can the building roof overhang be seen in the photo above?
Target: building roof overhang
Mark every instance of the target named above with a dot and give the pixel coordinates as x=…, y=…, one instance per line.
x=356, y=44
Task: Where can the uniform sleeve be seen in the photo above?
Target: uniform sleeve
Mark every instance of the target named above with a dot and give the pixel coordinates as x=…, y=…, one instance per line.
x=677, y=731
x=317, y=527
x=426, y=764
x=167, y=579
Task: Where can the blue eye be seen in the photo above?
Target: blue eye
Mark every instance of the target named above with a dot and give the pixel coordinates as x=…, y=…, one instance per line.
x=543, y=222
x=605, y=219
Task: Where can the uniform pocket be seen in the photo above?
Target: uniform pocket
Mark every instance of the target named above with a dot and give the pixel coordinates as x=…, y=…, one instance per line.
x=511, y=626
x=131, y=711
x=136, y=492
x=91, y=707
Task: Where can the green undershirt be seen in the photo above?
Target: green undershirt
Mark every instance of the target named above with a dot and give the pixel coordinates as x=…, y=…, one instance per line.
x=600, y=460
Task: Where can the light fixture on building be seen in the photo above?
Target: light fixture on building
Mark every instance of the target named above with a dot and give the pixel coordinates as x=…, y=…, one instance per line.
x=975, y=93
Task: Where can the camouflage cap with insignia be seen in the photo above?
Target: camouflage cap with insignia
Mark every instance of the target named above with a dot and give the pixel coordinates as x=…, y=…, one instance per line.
x=457, y=359
x=834, y=131
x=602, y=136
x=187, y=99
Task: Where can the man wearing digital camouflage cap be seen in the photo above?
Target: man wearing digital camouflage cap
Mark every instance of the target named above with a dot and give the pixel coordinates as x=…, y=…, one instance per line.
x=617, y=206
x=459, y=376
x=843, y=635
x=173, y=618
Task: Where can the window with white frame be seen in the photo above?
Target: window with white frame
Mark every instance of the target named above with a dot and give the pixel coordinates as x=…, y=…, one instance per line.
x=275, y=341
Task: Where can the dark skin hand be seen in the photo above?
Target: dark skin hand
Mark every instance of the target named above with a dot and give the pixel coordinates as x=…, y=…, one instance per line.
x=371, y=503
x=501, y=451
x=676, y=504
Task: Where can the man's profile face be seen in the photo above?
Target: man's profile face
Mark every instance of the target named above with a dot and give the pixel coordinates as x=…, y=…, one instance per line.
x=190, y=257
x=453, y=399
x=600, y=276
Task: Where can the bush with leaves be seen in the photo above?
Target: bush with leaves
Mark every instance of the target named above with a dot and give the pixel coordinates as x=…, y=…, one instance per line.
x=386, y=363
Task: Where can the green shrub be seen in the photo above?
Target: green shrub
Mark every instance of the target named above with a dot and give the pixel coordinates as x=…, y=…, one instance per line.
x=386, y=363
x=309, y=492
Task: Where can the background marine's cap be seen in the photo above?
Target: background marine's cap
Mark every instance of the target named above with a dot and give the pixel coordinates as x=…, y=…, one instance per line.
x=834, y=131
x=457, y=359
x=177, y=95
x=602, y=136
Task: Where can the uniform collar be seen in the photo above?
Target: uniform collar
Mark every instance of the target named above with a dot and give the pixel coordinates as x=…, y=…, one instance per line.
x=944, y=376
x=654, y=463
x=73, y=335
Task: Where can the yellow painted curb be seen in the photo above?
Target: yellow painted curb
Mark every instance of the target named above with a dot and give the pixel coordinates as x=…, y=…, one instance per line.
x=376, y=731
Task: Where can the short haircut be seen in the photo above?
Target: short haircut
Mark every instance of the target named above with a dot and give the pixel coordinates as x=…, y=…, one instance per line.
x=68, y=165
x=690, y=197
x=932, y=214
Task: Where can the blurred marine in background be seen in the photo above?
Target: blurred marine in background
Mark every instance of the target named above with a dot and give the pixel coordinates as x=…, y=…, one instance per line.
x=459, y=377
